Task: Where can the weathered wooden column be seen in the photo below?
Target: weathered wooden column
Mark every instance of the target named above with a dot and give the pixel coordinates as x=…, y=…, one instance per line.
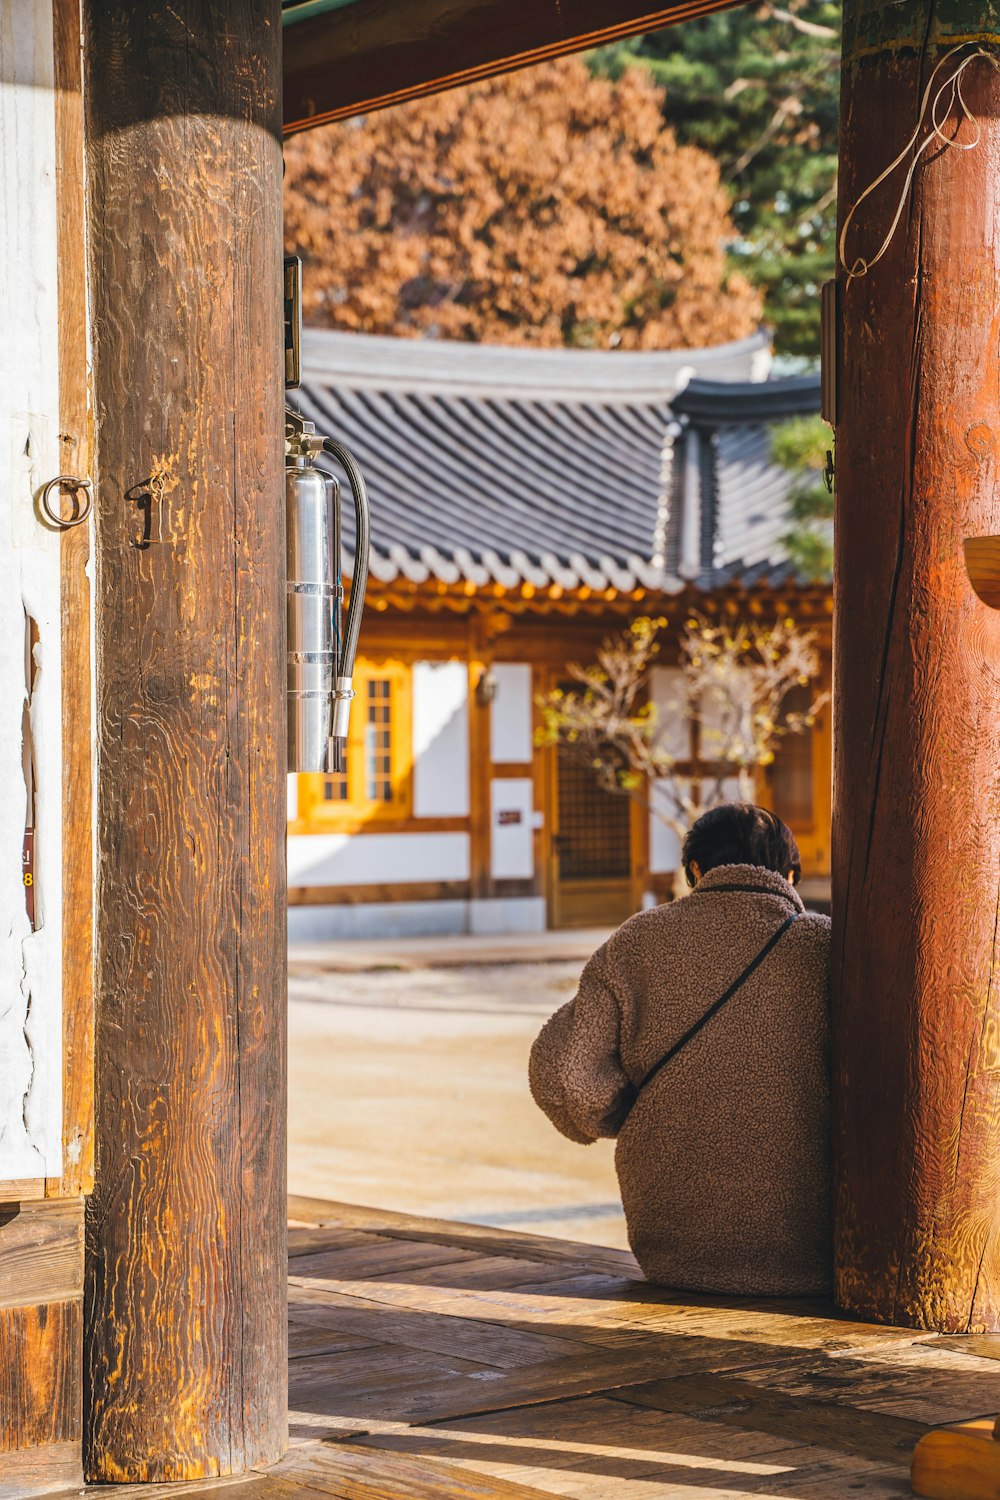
x=186, y=1274
x=917, y=689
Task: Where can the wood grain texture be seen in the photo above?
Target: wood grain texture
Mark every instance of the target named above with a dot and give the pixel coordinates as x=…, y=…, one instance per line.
x=20, y=1190
x=77, y=732
x=917, y=714
x=185, y=1295
x=478, y=1237
x=52, y=1469
x=338, y=64
x=357, y=1472
x=740, y=1403
x=958, y=1463
x=41, y=1251
x=39, y=1376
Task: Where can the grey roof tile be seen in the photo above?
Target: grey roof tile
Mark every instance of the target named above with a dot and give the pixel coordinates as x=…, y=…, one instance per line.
x=530, y=469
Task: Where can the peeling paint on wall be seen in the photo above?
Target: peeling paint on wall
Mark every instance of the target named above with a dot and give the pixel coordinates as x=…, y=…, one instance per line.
x=30, y=688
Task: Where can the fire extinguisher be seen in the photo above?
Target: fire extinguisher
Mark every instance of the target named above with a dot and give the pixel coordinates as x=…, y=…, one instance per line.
x=322, y=645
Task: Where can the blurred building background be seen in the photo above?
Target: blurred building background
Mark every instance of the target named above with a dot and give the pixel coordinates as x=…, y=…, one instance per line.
x=526, y=503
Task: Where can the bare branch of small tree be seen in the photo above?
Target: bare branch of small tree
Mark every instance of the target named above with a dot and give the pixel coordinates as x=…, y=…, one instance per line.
x=730, y=712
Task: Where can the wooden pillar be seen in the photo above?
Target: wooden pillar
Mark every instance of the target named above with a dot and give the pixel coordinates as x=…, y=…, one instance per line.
x=917, y=692
x=186, y=1272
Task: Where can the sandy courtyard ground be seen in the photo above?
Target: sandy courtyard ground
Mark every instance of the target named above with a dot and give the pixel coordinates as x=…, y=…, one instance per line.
x=408, y=1090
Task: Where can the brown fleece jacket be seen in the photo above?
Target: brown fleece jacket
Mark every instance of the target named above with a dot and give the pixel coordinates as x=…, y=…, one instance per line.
x=723, y=1158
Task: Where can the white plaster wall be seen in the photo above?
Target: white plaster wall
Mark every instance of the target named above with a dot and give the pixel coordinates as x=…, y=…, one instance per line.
x=384, y=919
x=511, y=843
x=510, y=714
x=30, y=962
x=440, y=739
x=507, y=914
x=377, y=919
x=376, y=858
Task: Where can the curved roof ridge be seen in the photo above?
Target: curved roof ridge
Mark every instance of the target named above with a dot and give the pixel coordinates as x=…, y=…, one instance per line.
x=364, y=360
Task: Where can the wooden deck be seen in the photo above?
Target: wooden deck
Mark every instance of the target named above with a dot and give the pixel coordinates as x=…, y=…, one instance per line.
x=433, y=1361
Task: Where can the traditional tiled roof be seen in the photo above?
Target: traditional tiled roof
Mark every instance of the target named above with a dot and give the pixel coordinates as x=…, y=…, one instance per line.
x=575, y=468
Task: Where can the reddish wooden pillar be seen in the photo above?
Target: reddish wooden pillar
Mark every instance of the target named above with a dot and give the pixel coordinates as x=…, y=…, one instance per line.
x=186, y=1272
x=917, y=695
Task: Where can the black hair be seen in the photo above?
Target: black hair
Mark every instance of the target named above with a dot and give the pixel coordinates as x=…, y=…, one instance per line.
x=738, y=833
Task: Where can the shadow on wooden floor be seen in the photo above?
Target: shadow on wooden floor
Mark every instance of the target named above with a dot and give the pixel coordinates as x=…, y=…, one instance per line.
x=433, y=1361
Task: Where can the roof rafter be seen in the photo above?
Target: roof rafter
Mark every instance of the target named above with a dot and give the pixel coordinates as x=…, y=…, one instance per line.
x=374, y=53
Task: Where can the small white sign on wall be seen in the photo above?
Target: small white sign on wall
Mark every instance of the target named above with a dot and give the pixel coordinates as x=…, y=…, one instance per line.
x=512, y=851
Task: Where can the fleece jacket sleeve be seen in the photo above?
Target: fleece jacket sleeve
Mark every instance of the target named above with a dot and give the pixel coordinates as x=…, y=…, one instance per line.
x=575, y=1072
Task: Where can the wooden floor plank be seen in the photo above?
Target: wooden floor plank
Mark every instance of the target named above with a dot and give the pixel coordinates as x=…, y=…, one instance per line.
x=734, y=1402
x=922, y=1382
x=430, y=1359
x=309, y=1239
x=491, y=1343
x=582, y=1448
x=979, y=1345
x=358, y=1472
x=498, y=1271
x=372, y=1257
x=403, y=1385
x=476, y=1237
x=312, y=1337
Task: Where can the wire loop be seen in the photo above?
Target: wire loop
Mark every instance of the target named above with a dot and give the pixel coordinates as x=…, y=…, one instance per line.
x=952, y=87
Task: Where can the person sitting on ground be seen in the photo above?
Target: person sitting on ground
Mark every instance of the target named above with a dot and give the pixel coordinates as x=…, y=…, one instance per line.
x=721, y=1110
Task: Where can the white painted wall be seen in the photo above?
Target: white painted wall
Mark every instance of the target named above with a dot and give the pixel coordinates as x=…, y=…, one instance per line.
x=30, y=962
x=440, y=739
x=510, y=714
x=511, y=843
x=376, y=858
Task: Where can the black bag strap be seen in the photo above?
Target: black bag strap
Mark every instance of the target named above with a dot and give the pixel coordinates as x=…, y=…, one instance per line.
x=717, y=1005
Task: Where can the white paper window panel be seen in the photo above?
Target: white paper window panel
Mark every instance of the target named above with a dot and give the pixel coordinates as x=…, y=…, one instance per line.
x=512, y=855
x=718, y=720
x=664, y=843
x=440, y=739
x=668, y=690
x=376, y=858
x=510, y=714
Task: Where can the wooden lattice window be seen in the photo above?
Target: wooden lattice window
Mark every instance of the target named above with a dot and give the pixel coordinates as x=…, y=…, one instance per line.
x=376, y=785
x=378, y=740
x=594, y=838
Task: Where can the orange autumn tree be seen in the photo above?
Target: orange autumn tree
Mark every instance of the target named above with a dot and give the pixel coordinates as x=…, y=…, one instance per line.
x=544, y=207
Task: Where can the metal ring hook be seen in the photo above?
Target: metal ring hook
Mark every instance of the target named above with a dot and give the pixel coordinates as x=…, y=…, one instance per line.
x=71, y=482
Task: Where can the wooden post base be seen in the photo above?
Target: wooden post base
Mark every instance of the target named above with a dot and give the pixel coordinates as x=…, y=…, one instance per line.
x=959, y=1463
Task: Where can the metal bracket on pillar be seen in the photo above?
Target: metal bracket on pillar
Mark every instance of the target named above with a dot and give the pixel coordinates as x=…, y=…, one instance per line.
x=982, y=563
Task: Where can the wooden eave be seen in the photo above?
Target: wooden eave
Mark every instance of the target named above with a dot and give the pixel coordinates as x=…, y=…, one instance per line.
x=374, y=53
x=811, y=604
